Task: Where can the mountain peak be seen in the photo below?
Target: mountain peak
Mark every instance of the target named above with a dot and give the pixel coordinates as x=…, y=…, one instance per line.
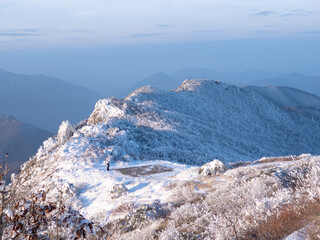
x=203, y=85
x=33, y=99
x=6, y=120
x=159, y=74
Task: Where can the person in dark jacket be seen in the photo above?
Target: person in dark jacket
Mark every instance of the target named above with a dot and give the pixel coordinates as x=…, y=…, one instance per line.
x=107, y=161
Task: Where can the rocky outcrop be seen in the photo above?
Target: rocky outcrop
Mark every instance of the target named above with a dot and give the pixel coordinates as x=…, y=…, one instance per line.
x=65, y=131
x=215, y=167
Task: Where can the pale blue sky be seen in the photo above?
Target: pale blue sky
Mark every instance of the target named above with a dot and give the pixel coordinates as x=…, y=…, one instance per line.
x=83, y=23
x=115, y=43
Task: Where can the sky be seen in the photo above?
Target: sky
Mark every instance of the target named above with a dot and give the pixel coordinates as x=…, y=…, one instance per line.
x=115, y=43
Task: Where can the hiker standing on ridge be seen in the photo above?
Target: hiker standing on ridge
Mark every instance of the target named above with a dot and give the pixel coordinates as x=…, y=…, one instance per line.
x=108, y=162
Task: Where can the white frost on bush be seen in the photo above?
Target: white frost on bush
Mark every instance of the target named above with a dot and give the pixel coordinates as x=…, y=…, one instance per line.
x=65, y=131
x=118, y=191
x=13, y=175
x=213, y=168
x=47, y=146
x=8, y=213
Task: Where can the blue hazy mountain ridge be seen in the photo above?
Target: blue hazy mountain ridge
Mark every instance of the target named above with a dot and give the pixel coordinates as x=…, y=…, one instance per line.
x=44, y=101
x=233, y=78
x=159, y=80
x=20, y=140
x=309, y=84
x=290, y=98
x=171, y=81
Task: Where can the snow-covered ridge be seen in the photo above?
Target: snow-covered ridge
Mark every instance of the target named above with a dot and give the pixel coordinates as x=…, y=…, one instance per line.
x=151, y=139
x=197, y=84
x=203, y=120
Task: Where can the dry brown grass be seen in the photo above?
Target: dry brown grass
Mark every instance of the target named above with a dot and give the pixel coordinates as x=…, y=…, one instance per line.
x=178, y=185
x=288, y=220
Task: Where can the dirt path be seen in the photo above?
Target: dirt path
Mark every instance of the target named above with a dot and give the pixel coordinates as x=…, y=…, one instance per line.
x=143, y=170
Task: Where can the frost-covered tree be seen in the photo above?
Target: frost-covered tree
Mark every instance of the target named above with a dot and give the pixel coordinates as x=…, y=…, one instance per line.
x=35, y=218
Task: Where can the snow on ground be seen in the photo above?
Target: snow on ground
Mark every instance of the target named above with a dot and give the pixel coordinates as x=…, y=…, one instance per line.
x=297, y=235
x=79, y=167
x=95, y=198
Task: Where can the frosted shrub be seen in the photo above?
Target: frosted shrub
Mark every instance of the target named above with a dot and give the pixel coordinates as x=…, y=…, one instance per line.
x=118, y=190
x=184, y=192
x=142, y=216
x=36, y=218
x=312, y=182
x=47, y=146
x=170, y=233
x=190, y=220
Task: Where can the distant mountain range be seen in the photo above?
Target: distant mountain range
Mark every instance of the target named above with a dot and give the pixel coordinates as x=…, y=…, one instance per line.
x=309, y=84
x=159, y=80
x=233, y=78
x=172, y=81
x=21, y=141
x=249, y=77
x=44, y=101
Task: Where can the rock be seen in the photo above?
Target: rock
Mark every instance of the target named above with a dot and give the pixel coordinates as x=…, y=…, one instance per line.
x=65, y=131
x=105, y=109
x=215, y=167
